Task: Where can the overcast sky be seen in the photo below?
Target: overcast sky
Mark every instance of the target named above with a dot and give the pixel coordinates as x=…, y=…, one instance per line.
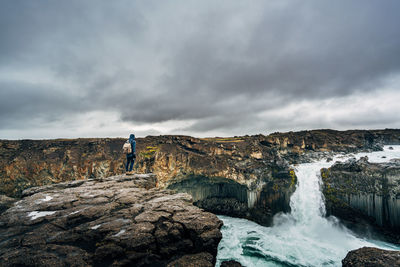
x=201, y=68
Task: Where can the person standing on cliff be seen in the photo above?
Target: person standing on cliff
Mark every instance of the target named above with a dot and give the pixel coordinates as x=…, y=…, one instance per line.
x=130, y=153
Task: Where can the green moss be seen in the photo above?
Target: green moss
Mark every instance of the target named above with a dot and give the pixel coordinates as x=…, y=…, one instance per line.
x=293, y=177
x=325, y=173
x=149, y=152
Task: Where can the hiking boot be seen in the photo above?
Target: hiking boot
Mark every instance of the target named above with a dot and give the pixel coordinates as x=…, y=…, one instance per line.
x=129, y=173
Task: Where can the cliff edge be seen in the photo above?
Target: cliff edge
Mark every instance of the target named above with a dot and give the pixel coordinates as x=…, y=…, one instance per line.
x=247, y=176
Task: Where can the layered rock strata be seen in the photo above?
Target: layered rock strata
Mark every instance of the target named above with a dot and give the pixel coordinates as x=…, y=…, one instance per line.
x=371, y=257
x=252, y=172
x=360, y=191
x=117, y=221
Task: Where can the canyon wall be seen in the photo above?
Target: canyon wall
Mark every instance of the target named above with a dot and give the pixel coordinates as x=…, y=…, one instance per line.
x=252, y=172
x=362, y=191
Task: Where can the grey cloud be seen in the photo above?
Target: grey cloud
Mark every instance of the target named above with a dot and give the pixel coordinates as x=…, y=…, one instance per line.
x=217, y=64
x=304, y=50
x=23, y=104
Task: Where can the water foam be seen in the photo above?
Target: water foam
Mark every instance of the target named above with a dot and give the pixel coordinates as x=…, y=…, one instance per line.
x=305, y=237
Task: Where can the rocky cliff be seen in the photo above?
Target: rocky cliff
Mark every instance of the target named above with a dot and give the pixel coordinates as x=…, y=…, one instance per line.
x=245, y=176
x=360, y=191
x=29, y=163
x=117, y=221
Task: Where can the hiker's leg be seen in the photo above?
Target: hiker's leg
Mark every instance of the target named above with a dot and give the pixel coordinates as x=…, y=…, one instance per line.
x=127, y=163
x=132, y=162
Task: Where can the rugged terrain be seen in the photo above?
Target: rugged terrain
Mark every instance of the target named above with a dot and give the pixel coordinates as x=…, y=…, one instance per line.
x=246, y=176
x=115, y=220
x=118, y=221
x=364, y=193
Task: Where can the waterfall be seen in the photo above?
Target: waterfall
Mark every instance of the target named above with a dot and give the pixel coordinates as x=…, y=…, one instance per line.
x=251, y=198
x=305, y=237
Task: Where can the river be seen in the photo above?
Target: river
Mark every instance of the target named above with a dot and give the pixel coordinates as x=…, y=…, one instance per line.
x=305, y=237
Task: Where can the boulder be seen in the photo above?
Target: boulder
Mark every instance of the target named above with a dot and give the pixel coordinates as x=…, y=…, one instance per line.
x=371, y=257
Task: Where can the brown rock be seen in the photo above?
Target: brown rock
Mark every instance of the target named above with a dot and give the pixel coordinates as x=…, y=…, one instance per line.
x=371, y=257
x=115, y=221
x=254, y=166
x=365, y=195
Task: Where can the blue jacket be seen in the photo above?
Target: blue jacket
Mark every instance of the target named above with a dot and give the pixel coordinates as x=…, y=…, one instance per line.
x=133, y=143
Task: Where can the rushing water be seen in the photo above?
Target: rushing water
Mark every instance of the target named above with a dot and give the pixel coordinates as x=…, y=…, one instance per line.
x=305, y=237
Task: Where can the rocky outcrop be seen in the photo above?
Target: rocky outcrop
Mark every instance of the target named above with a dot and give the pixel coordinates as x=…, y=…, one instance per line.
x=261, y=175
x=371, y=257
x=359, y=192
x=117, y=221
x=30, y=163
x=252, y=172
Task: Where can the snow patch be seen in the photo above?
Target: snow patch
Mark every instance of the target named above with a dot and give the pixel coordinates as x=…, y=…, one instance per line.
x=95, y=227
x=47, y=198
x=74, y=212
x=120, y=232
x=37, y=214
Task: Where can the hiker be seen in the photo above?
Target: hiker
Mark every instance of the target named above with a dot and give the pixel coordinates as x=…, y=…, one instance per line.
x=130, y=149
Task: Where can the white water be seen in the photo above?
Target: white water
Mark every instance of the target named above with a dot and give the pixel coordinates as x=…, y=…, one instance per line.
x=302, y=238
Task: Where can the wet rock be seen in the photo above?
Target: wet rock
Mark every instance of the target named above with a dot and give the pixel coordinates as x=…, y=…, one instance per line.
x=115, y=221
x=224, y=206
x=230, y=263
x=227, y=197
x=369, y=257
x=196, y=260
x=365, y=194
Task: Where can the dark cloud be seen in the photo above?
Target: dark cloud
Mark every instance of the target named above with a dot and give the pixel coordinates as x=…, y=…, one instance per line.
x=219, y=65
x=23, y=104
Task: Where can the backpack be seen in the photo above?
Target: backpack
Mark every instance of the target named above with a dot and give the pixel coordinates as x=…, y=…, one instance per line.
x=127, y=148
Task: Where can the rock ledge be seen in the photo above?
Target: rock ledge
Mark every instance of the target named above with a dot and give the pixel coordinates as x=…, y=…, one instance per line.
x=117, y=221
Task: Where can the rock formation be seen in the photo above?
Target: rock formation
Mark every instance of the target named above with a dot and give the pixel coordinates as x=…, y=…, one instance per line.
x=118, y=221
x=371, y=257
x=360, y=191
x=245, y=176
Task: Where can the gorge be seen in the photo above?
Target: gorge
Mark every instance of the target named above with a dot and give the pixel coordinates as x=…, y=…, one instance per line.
x=251, y=177
x=306, y=236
